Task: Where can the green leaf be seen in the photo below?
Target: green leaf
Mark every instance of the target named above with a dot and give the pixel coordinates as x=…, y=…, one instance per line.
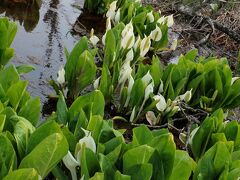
x=84, y=74
x=98, y=176
x=110, y=49
x=140, y=170
x=47, y=154
x=137, y=93
x=8, y=76
x=191, y=55
x=25, y=68
x=213, y=162
x=183, y=166
x=136, y=156
x=16, y=92
x=202, y=137
x=106, y=166
x=22, y=131
x=31, y=110
x=89, y=163
x=73, y=57
x=95, y=126
x=44, y=131
x=20, y=174
x=156, y=71
x=141, y=135
x=2, y=122
x=232, y=133
x=8, y=159
x=166, y=148
x=72, y=141
x=119, y=176
x=62, y=111
x=95, y=98
x=7, y=54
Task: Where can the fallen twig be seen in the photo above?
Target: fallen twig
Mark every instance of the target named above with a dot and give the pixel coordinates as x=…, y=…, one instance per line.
x=213, y=23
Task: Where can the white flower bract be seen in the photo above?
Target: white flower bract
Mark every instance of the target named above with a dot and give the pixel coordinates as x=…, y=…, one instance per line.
x=61, y=76
x=156, y=34
x=145, y=46
x=150, y=17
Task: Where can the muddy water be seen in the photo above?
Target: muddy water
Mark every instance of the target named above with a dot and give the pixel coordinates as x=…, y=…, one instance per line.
x=42, y=35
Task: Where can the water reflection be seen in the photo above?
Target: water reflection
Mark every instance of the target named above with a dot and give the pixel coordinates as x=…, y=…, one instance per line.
x=52, y=20
x=27, y=14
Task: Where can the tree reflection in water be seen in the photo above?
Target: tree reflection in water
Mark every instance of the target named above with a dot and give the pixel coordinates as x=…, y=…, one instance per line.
x=24, y=11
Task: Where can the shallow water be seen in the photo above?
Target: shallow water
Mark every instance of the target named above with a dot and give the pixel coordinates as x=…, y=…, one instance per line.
x=42, y=35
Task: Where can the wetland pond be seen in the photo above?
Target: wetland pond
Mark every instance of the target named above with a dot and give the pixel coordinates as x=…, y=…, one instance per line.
x=43, y=32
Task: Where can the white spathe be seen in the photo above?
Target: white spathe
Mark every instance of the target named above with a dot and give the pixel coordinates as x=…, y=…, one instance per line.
x=186, y=96
x=170, y=20
x=61, y=76
x=117, y=16
x=128, y=38
x=130, y=55
x=146, y=79
x=156, y=34
x=130, y=85
x=137, y=43
x=150, y=17
x=161, y=105
x=71, y=163
x=96, y=83
x=94, y=40
x=145, y=46
x=111, y=11
x=148, y=91
x=125, y=72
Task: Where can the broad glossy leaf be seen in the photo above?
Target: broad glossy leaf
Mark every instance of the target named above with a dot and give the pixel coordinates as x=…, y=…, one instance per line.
x=191, y=55
x=6, y=55
x=42, y=132
x=234, y=174
x=72, y=141
x=16, y=92
x=136, y=156
x=141, y=135
x=106, y=166
x=84, y=73
x=140, y=170
x=213, y=162
x=119, y=176
x=137, y=93
x=156, y=71
x=22, y=131
x=47, y=154
x=8, y=159
x=31, y=110
x=109, y=49
x=202, y=137
x=166, y=148
x=25, y=68
x=95, y=98
x=89, y=163
x=98, y=176
x=20, y=174
x=232, y=133
x=73, y=57
x=95, y=126
x=8, y=76
x=183, y=166
x=62, y=110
